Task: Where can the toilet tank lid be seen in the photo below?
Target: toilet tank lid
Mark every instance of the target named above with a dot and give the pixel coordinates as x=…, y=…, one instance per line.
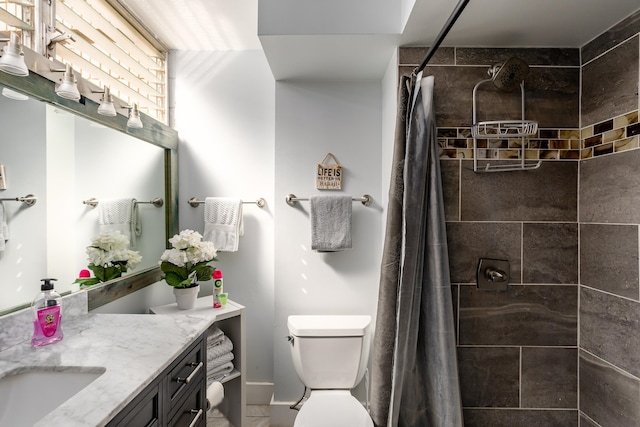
x=329, y=325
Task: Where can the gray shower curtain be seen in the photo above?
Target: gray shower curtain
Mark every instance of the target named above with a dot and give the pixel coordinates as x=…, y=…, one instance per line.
x=414, y=378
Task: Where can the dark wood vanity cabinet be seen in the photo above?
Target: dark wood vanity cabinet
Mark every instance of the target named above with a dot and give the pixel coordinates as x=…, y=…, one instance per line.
x=176, y=398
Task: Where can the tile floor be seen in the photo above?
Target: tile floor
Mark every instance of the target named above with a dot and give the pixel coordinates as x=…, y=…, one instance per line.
x=257, y=416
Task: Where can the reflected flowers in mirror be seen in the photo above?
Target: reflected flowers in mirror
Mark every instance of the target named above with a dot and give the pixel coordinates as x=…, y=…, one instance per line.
x=109, y=257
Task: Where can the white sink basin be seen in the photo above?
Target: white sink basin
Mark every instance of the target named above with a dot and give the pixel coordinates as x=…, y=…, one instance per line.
x=26, y=397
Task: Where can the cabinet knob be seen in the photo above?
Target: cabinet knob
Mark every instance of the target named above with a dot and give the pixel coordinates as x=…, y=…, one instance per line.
x=194, y=422
x=191, y=375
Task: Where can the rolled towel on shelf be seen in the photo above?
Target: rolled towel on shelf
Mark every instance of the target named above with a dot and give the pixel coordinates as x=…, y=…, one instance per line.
x=219, y=373
x=214, y=362
x=215, y=336
x=223, y=346
x=215, y=395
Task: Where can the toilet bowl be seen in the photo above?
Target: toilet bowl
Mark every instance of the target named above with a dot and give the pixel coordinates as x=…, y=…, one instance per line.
x=332, y=408
x=330, y=355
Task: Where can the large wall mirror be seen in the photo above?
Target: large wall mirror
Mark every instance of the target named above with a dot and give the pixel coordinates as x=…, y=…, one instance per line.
x=64, y=153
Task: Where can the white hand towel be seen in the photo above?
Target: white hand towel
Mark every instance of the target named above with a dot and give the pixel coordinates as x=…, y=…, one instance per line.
x=120, y=215
x=223, y=223
x=330, y=223
x=215, y=395
x=4, y=228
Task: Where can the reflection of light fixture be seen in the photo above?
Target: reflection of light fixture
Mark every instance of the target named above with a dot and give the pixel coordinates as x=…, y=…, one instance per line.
x=106, y=107
x=12, y=94
x=134, y=118
x=68, y=88
x=12, y=60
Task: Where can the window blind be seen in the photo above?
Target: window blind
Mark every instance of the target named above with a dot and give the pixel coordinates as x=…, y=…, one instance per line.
x=109, y=51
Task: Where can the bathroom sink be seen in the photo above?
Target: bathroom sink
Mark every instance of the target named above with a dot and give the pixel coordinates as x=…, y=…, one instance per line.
x=28, y=396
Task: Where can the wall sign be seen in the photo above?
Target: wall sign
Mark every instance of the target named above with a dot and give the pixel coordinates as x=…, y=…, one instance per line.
x=329, y=175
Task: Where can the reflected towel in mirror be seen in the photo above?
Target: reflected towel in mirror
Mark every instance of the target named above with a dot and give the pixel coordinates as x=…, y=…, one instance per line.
x=4, y=228
x=120, y=215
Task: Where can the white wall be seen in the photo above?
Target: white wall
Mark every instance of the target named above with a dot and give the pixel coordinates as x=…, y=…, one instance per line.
x=312, y=119
x=244, y=135
x=224, y=114
x=389, y=117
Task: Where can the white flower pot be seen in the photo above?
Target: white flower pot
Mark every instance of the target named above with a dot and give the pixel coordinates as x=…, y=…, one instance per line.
x=186, y=297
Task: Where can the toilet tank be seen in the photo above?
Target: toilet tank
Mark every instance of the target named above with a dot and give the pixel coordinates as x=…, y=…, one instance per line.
x=330, y=352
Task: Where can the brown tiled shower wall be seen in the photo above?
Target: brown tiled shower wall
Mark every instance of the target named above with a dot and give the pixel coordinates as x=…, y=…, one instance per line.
x=560, y=347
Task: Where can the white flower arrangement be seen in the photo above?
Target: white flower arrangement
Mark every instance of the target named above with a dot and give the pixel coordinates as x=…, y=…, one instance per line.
x=109, y=257
x=186, y=262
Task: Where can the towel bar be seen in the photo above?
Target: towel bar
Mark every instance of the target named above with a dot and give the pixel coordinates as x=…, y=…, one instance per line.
x=28, y=200
x=366, y=199
x=194, y=202
x=157, y=202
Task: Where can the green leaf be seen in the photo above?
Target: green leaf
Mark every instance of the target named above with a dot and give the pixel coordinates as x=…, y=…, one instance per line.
x=167, y=267
x=203, y=272
x=98, y=271
x=90, y=281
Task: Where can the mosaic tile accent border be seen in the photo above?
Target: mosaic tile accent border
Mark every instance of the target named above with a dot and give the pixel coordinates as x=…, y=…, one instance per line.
x=610, y=136
x=546, y=144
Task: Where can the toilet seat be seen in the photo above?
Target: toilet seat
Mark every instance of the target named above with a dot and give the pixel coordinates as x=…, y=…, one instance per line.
x=332, y=408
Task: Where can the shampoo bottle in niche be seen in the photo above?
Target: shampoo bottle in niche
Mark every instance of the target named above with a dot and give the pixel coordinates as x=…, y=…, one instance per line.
x=47, y=316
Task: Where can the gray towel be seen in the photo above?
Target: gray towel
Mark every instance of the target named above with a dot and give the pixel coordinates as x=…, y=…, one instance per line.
x=330, y=223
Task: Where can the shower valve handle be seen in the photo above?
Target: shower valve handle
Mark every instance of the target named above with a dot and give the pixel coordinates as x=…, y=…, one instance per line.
x=495, y=275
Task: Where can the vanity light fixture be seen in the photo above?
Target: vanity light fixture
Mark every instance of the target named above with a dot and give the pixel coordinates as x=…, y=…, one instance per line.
x=12, y=59
x=12, y=94
x=134, y=118
x=106, y=107
x=68, y=87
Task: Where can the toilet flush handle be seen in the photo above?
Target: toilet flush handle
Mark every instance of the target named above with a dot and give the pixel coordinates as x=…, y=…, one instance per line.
x=290, y=339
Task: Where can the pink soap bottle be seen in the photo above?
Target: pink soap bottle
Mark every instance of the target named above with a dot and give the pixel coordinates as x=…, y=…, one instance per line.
x=47, y=316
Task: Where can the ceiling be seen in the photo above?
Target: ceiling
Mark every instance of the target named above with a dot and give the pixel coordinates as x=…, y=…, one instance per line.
x=232, y=25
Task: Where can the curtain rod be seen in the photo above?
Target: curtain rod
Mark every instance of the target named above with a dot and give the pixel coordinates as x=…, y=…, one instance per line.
x=443, y=33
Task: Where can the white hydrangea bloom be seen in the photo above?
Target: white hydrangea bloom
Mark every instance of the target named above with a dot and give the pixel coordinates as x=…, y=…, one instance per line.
x=185, y=239
x=189, y=252
x=134, y=259
x=112, y=246
x=175, y=256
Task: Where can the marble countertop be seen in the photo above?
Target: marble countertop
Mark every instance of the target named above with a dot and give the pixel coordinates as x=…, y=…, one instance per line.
x=133, y=349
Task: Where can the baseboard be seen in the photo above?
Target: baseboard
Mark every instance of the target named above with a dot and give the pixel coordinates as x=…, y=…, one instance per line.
x=259, y=393
x=281, y=415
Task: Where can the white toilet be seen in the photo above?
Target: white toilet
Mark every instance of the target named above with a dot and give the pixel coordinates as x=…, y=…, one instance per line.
x=330, y=355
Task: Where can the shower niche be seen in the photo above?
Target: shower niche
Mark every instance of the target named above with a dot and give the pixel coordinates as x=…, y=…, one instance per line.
x=506, y=77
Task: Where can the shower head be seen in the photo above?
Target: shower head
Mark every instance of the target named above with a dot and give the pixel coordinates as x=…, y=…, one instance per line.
x=509, y=75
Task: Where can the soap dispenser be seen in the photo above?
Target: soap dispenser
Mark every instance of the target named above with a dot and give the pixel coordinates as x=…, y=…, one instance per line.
x=47, y=316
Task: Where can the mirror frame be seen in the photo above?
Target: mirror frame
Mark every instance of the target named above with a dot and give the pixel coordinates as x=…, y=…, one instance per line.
x=153, y=132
